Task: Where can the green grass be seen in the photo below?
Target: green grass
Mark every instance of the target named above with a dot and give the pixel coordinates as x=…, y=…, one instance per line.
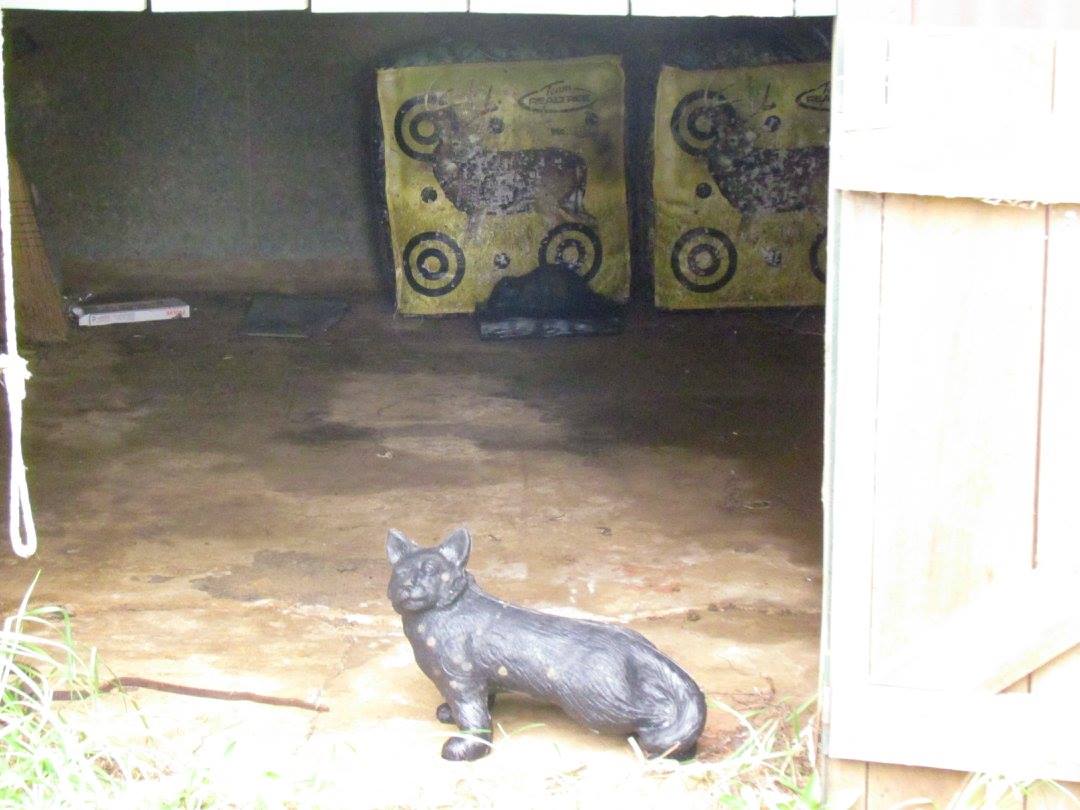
x=771, y=762
x=59, y=754
x=988, y=791
x=45, y=760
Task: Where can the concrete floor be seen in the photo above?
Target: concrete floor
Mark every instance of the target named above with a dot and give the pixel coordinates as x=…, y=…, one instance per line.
x=213, y=509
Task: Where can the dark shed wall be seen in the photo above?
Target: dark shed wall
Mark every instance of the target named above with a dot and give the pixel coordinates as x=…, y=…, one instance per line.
x=231, y=152
x=208, y=151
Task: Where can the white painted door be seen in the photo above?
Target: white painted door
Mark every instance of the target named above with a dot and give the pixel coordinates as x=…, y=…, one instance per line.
x=953, y=394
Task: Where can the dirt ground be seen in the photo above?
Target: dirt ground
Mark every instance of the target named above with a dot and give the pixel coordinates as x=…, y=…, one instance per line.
x=213, y=509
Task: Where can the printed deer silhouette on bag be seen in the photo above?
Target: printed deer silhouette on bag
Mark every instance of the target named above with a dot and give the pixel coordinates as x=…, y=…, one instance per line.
x=480, y=181
x=754, y=180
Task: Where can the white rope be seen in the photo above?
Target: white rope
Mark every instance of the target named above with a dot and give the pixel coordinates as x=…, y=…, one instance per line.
x=21, y=528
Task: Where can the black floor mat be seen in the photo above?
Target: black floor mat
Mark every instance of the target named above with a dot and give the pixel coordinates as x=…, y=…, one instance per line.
x=292, y=316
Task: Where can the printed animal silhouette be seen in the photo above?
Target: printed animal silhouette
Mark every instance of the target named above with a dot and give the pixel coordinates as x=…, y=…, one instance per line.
x=766, y=180
x=474, y=646
x=753, y=180
x=481, y=182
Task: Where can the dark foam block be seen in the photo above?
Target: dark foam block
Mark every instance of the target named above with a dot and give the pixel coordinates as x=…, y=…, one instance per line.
x=552, y=300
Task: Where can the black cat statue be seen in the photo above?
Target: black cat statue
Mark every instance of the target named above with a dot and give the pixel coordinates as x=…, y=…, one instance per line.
x=473, y=646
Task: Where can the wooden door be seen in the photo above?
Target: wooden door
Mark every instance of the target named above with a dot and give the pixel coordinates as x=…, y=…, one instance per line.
x=953, y=396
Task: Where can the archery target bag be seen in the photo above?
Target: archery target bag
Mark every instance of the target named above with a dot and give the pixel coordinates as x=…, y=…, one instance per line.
x=740, y=183
x=494, y=168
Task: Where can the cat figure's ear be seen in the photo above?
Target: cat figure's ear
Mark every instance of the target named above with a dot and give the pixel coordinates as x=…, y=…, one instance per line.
x=398, y=546
x=456, y=546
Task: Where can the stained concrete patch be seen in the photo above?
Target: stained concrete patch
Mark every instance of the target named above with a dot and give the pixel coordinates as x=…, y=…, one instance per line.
x=431, y=416
x=294, y=577
x=513, y=570
x=234, y=532
x=101, y=427
x=329, y=433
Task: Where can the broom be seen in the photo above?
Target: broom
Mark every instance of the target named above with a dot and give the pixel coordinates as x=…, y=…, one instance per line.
x=39, y=307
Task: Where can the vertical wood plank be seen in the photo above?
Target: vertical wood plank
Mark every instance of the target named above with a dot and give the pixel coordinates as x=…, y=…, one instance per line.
x=1058, y=518
x=961, y=317
x=845, y=784
x=860, y=76
x=891, y=785
x=1058, y=524
x=1067, y=72
x=855, y=255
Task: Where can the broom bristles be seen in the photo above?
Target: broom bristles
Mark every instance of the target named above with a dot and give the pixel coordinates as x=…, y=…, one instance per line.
x=38, y=305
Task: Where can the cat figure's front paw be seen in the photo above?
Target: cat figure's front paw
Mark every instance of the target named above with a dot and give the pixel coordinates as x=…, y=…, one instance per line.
x=465, y=749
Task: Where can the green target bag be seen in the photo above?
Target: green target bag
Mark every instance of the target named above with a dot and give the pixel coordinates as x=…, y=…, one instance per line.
x=740, y=184
x=493, y=168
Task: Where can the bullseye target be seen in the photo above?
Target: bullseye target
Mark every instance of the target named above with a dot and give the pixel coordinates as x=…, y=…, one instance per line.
x=703, y=259
x=697, y=118
x=817, y=257
x=434, y=263
x=575, y=245
x=415, y=128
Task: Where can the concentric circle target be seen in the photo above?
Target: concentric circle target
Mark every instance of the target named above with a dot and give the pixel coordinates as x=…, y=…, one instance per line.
x=575, y=245
x=696, y=120
x=817, y=257
x=434, y=263
x=703, y=259
x=415, y=129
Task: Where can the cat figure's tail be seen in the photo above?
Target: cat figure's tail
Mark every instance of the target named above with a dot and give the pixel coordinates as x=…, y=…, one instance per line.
x=676, y=735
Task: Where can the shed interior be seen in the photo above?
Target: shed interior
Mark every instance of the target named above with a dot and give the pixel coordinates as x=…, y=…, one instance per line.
x=213, y=506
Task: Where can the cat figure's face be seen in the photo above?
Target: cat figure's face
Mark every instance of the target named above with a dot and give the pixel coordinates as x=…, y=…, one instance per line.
x=425, y=578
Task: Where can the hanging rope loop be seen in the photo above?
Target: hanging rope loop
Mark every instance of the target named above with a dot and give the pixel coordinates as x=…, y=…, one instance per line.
x=21, y=527
x=12, y=367
x=16, y=371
